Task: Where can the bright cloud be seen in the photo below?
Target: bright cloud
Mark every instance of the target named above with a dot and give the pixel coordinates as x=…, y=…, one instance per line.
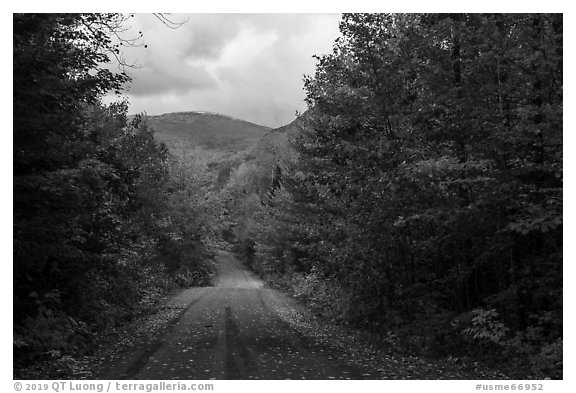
x=248, y=66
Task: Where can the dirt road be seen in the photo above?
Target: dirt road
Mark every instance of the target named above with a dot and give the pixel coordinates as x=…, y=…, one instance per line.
x=234, y=330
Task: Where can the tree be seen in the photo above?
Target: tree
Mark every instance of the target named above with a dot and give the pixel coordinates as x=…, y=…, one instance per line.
x=58, y=67
x=429, y=177
x=97, y=203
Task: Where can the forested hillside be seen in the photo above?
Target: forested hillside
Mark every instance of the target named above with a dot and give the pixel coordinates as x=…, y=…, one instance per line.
x=212, y=143
x=425, y=202
x=183, y=132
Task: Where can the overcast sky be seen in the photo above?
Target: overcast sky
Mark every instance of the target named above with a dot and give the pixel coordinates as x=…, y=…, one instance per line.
x=248, y=66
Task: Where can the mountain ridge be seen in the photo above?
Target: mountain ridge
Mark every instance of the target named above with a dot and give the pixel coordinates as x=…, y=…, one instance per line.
x=207, y=113
x=186, y=131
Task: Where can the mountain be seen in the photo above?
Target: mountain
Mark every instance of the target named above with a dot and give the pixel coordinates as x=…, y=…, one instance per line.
x=186, y=131
x=274, y=147
x=262, y=165
x=229, y=147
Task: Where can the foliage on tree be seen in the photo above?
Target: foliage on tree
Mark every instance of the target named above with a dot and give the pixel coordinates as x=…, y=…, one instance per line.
x=57, y=68
x=105, y=220
x=429, y=182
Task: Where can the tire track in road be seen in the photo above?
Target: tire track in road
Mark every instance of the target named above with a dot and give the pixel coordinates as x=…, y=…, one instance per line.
x=233, y=330
x=131, y=365
x=239, y=361
x=148, y=352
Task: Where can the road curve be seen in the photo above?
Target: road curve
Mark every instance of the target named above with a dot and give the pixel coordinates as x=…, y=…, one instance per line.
x=233, y=330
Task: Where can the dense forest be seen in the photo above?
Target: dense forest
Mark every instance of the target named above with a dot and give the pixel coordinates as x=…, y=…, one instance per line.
x=422, y=197
x=419, y=198
x=106, y=221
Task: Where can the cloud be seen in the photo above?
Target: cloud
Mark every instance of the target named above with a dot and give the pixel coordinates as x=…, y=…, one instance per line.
x=208, y=34
x=178, y=78
x=249, y=66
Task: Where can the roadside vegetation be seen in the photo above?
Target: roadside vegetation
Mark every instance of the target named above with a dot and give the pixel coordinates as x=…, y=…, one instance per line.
x=422, y=197
x=106, y=221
